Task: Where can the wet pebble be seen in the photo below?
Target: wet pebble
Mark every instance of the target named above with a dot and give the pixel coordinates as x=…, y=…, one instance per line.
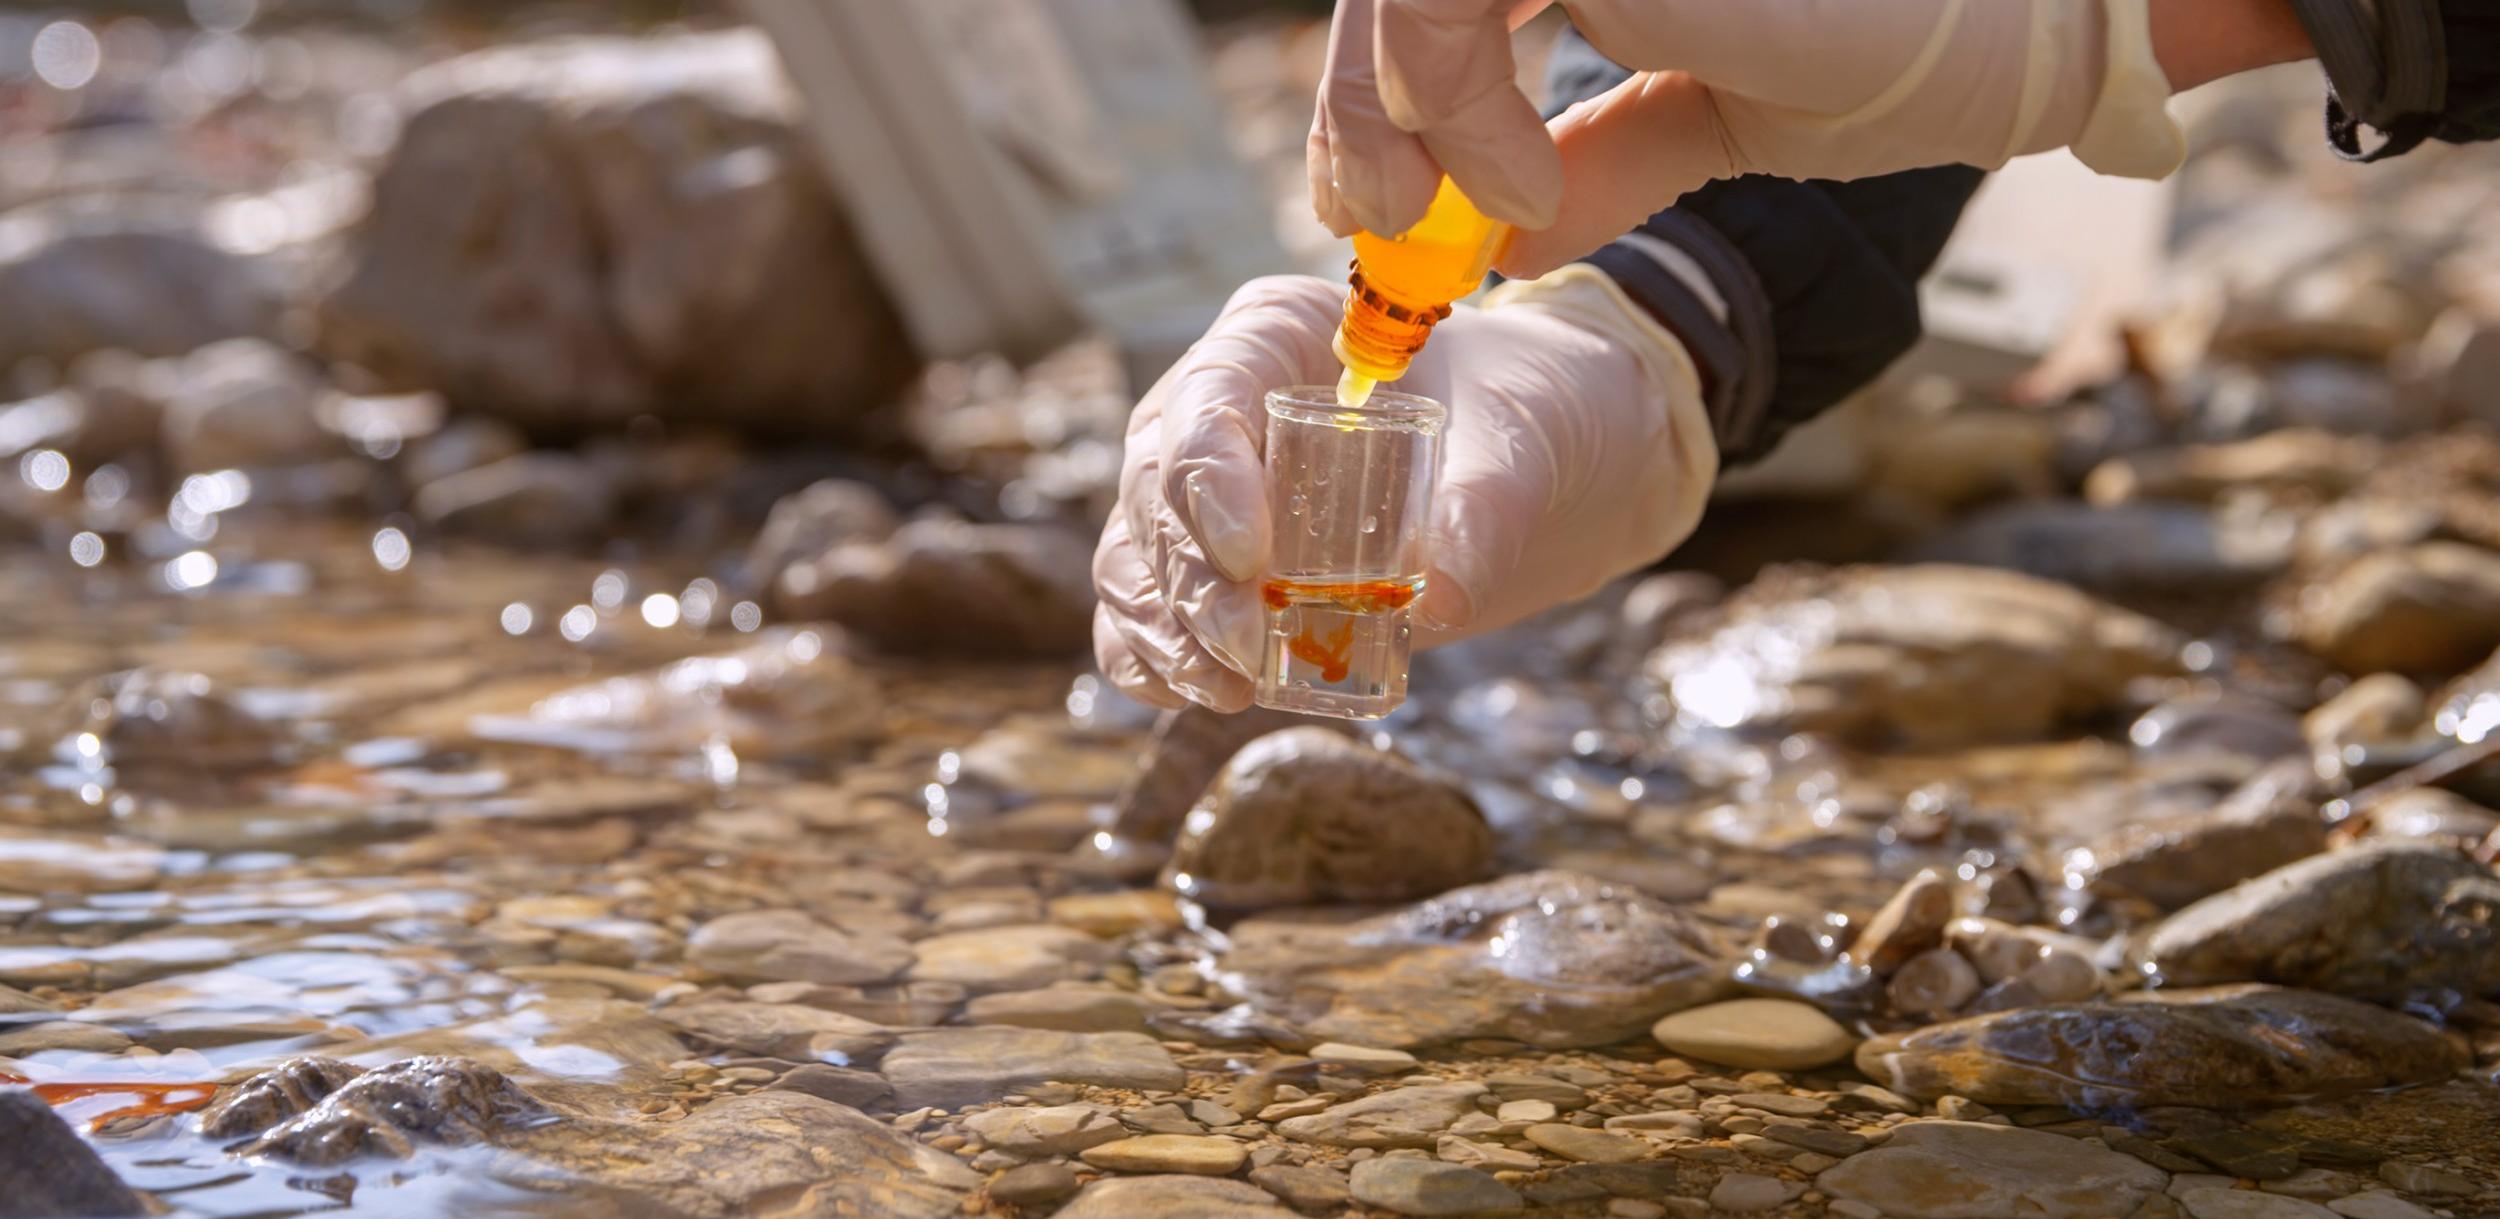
x=1740, y=1193
x=1033, y=1184
x=2248, y=1204
x=1047, y=1130
x=1173, y=1196
x=1203, y=1155
x=2377, y=1204
x=1307, y=1187
x=790, y=946
x=1075, y=1008
x=1429, y=1187
x=954, y=588
x=1775, y=1034
x=957, y=1067
x=2433, y=607
x=1952, y=1170
x=1008, y=958
x=1411, y=1116
x=1586, y=1145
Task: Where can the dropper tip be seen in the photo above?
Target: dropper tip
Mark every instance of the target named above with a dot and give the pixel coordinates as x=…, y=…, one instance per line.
x=1353, y=388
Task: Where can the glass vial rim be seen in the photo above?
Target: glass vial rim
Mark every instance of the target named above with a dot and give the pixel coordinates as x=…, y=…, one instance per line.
x=1387, y=409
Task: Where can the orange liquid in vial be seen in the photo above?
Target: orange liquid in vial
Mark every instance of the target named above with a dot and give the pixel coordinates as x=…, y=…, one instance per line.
x=1330, y=613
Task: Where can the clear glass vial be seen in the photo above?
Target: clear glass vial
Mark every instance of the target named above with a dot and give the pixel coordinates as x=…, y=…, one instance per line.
x=1349, y=492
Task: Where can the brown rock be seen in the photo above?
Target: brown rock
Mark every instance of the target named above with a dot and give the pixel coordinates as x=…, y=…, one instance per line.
x=1307, y=816
x=2222, y=1047
x=2434, y=607
x=951, y=587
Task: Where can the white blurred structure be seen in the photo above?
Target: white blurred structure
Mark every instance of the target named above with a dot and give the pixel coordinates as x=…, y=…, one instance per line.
x=1022, y=171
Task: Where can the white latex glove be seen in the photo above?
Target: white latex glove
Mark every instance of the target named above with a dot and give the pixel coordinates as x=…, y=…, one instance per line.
x=1796, y=88
x=1577, y=450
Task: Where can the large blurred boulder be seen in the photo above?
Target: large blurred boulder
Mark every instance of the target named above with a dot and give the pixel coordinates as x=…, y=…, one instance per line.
x=1933, y=654
x=577, y=232
x=72, y=285
x=2428, y=608
x=952, y=587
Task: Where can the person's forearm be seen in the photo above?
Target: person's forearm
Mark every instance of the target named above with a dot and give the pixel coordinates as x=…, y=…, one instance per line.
x=2198, y=41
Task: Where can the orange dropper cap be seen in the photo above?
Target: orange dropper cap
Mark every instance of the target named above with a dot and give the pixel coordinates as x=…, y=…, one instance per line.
x=1403, y=285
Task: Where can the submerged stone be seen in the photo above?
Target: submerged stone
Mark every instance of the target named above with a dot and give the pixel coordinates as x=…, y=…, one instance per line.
x=1550, y=958
x=951, y=1068
x=2218, y=1048
x=789, y=946
x=1308, y=816
x=1173, y=1197
x=2433, y=607
x=1971, y=1170
x=398, y=1108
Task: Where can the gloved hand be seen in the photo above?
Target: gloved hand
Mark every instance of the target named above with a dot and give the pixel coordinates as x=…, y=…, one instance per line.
x=1577, y=449
x=1796, y=88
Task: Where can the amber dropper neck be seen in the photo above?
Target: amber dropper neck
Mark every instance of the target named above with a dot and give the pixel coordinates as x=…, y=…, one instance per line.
x=1378, y=338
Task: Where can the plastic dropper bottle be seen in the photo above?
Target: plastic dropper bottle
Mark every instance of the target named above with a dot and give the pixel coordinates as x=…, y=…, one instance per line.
x=1402, y=285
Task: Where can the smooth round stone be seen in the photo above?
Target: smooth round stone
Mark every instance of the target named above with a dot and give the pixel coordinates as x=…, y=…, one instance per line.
x=1526, y=1111
x=1585, y=1145
x=2211, y=1203
x=1771, y=1034
x=1429, y=1187
x=1203, y=1155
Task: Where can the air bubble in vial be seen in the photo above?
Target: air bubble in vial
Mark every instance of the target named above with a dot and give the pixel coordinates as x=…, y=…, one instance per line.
x=1371, y=524
x=1300, y=502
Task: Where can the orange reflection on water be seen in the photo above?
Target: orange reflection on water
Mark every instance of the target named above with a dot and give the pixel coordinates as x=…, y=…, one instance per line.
x=151, y=1099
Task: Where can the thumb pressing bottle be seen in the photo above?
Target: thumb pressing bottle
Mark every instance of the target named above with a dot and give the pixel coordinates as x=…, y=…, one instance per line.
x=1402, y=285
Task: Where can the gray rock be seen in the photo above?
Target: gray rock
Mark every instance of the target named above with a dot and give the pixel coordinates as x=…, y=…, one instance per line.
x=29, y=1039
x=1585, y=1145
x=129, y=284
x=537, y=499
x=811, y=522
x=1934, y=983
x=695, y=269
x=1550, y=958
x=1009, y=958
x=2218, y=1048
x=1073, y=1008
x=1430, y=1187
x=951, y=1068
x=779, y=1030
x=1971, y=1170
x=2212, y=1203
x=1304, y=1187
x=738, y=1156
x=2377, y=1204
x=1172, y=1197
x=1745, y=1192
x=953, y=588
x=2394, y=921
x=1307, y=816
x=246, y=404
x=789, y=946
x=2173, y=860
x=463, y=444
x=1034, y=1184
x=1054, y=1130
x=2433, y=607
x=1412, y=1116
x=2116, y=546
x=1929, y=655
x=46, y=1170
x=841, y=1085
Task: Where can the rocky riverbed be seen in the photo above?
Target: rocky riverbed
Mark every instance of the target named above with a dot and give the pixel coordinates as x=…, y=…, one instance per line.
x=426, y=800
